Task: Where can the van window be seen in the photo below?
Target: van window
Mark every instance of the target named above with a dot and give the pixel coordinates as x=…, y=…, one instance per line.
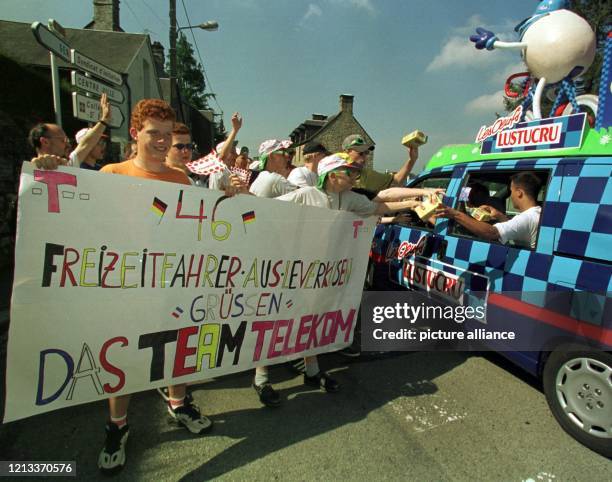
x=437, y=181
x=493, y=189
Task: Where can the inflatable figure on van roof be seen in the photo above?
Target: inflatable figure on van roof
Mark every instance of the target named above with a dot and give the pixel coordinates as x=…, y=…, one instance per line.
x=556, y=44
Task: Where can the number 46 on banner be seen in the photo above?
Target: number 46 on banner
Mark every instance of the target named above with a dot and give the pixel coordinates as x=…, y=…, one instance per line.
x=220, y=230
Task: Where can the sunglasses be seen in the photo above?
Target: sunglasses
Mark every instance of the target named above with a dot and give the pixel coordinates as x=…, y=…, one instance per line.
x=352, y=173
x=180, y=147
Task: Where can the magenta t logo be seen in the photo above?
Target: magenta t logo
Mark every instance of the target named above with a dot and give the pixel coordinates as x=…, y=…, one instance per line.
x=356, y=225
x=53, y=179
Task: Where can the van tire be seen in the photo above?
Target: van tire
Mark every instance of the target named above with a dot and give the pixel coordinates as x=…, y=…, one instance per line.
x=577, y=383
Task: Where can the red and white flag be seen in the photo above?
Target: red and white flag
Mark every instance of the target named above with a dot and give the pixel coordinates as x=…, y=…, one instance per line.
x=243, y=174
x=207, y=165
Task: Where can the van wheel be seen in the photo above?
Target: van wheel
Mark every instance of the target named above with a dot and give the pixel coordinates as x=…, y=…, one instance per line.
x=578, y=387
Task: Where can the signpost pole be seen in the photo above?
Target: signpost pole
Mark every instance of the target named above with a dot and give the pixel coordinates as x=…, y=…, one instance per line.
x=56, y=28
x=57, y=106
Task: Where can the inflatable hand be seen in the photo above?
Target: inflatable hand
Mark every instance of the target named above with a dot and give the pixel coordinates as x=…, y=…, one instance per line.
x=483, y=39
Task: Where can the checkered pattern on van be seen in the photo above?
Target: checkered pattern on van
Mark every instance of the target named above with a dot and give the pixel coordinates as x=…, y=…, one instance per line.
x=575, y=232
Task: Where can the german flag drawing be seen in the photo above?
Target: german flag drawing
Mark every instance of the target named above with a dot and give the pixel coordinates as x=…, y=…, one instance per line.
x=248, y=217
x=159, y=208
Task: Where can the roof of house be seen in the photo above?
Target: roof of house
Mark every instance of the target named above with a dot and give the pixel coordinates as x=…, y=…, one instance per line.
x=310, y=123
x=323, y=126
x=115, y=50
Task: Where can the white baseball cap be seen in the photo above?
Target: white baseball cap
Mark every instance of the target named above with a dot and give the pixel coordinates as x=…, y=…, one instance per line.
x=219, y=147
x=268, y=147
x=331, y=163
x=83, y=132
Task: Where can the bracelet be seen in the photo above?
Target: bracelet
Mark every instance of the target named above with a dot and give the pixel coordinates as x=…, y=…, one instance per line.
x=105, y=124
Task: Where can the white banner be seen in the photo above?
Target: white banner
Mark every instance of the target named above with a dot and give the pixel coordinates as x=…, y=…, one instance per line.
x=124, y=284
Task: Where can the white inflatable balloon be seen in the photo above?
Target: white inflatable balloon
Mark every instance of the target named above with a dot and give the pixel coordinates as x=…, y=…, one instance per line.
x=556, y=44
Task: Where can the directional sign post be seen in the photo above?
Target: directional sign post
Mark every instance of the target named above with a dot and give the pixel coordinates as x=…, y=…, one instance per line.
x=88, y=109
x=83, y=107
x=56, y=45
x=51, y=41
x=94, y=87
x=95, y=68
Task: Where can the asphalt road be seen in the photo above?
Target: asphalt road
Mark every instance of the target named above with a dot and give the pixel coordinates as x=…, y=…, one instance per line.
x=415, y=416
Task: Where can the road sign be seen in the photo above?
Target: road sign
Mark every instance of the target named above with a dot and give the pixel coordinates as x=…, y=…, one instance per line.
x=88, y=109
x=56, y=27
x=51, y=41
x=93, y=86
x=95, y=68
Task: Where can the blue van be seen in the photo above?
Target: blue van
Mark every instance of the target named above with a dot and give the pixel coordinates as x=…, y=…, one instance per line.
x=559, y=291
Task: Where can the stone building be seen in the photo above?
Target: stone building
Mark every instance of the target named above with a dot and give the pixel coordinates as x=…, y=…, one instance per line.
x=126, y=53
x=330, y=131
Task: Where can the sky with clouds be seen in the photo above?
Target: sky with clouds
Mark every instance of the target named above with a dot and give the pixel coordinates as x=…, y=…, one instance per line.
x=408, y=63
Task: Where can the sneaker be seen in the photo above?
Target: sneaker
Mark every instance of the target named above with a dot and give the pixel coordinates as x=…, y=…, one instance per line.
x=112, y=458
x=163, y=392
x=267, y=395
x=298, y=366
x=189, y=416
x=322, y=380
x=350, y=352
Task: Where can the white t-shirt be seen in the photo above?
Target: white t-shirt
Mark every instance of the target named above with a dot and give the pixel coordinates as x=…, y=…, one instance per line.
x=302, y=176
x=73, y=160
x=270, y=185
x=522, y=228
x=219, y=180
x=344, y=201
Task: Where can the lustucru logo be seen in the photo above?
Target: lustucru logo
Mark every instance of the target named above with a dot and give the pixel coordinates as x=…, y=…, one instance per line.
x=500, y=124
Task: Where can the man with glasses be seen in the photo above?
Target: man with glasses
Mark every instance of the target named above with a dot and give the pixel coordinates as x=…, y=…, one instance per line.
x=51, y=143
x=181, y=149
x=370, y=180
x=274, y=157
x=336, y=177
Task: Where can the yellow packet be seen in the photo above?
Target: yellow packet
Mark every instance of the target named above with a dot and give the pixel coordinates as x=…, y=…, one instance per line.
x=416, y=138
x=481, y=215
x=427, y=208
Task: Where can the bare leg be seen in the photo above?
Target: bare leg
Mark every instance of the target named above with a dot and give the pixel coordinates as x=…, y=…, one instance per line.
x=177, y=392
x=312, y=365
x=118, y=406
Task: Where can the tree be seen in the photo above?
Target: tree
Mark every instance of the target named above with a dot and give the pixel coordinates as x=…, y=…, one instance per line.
x=220, y=132
x=190, y=75
x=599, y=15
